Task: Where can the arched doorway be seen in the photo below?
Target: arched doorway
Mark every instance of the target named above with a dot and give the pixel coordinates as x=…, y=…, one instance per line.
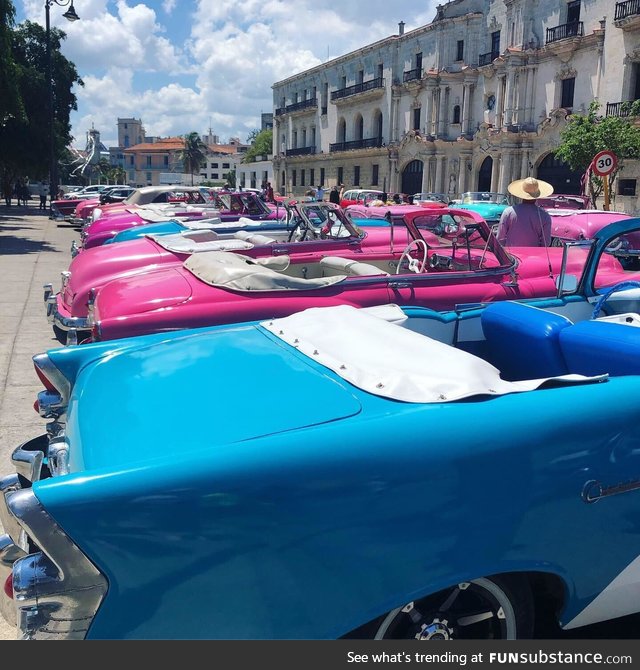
x=559, y=175
x=412, y=177
x=484, y=174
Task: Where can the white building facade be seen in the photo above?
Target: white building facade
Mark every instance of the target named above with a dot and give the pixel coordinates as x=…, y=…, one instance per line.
x=471, y=101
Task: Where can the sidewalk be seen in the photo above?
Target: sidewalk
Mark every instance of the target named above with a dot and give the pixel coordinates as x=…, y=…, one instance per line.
x=33, y=251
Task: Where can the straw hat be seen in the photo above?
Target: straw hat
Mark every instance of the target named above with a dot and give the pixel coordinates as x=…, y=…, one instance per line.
x=530, y=188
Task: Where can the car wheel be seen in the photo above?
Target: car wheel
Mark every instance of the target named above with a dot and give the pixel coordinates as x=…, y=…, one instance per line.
x=498, y=607
x=61, y=335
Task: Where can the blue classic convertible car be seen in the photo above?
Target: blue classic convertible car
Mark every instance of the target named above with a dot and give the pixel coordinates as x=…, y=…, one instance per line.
x=341, y=472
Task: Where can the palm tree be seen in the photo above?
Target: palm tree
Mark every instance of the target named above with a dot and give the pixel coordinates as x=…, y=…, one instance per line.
x=193, y=155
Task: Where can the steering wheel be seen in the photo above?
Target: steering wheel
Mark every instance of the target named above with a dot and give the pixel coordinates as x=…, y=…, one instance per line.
x=620, y=286
x=415, y=265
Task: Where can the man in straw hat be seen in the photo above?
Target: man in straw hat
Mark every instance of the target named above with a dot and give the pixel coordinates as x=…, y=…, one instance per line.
x=526, y=224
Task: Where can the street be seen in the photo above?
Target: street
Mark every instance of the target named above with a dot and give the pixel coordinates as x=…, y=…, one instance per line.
x=33, y=251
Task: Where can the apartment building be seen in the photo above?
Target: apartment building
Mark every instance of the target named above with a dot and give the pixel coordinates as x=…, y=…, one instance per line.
x=471, y=101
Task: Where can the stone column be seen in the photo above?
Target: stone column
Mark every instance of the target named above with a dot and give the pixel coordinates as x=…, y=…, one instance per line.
x=508, y=100
x=466, y=92
x=495, y=173
x=500, y=103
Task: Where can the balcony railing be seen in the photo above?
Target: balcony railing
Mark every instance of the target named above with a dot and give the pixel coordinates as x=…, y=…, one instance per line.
x=411, y=75
x=573, y=29
x=357, y=88
x=370, y=143
x=301, y=151
x=297, y=106
x=628, y=8
x=488, y=58
x=624, y=108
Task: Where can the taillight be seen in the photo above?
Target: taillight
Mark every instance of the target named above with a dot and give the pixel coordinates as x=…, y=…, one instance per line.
x=8, y=586
x=48, y=384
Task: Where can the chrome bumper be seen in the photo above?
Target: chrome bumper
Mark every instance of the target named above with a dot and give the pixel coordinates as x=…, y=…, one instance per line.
x=57, y=590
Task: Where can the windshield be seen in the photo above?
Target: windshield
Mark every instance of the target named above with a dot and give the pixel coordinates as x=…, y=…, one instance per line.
x=477, y=196
x=618, y=259
x=456, y=242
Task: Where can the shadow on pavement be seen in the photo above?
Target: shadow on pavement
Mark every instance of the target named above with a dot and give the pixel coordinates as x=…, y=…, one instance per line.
x=10, y=244
x=13, y=221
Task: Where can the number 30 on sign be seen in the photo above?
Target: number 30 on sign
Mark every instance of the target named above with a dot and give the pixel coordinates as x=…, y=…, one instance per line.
x=604, y=163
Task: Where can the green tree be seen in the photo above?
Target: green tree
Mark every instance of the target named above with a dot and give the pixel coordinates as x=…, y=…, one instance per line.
x=104, y=170
x=230, y=178
x=24, y=140
x=262, y=146
x=11, y=105
x=193, y=155
x=587, y=134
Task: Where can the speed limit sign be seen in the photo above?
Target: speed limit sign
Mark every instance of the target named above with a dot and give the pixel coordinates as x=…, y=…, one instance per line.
x=604, y=163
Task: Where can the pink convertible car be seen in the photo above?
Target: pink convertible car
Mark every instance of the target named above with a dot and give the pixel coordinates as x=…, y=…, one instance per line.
x=580, y=224
x=227, y=206
x=451, y=258
x=312, y=228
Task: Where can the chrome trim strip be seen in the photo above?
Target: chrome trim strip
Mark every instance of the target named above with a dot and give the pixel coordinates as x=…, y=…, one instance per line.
x=28, y=458
x=9, y=553
x=50, y=305
x=57, y=590
x=50, y=404
x=69, y=322
x=58, y=456
x=54, y=375
x=8, y=485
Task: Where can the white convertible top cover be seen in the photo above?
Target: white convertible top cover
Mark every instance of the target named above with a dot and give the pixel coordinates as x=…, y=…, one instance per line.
x=186, y=245
x=242, y=273
x=372, y=351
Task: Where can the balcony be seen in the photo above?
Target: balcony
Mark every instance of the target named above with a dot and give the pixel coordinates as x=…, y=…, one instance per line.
x=566, y=30
x=412, y=75
x=300, y=151
x=624, y=108
x=371, y=88
x=371, y=143
x=627, y=14
x=295, y=107
x=488, y=58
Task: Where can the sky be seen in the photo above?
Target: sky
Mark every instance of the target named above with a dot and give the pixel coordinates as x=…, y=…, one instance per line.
x=205, y=65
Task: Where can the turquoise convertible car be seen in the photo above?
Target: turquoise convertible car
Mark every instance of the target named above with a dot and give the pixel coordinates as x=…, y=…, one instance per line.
x=340, y=472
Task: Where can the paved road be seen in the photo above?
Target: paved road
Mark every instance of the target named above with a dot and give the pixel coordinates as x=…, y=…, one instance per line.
x=33, y=251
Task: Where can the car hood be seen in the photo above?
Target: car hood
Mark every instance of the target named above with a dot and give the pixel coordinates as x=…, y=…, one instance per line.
x=180, y=396
x=92, y=267
x=138, y=293
x=581, y=223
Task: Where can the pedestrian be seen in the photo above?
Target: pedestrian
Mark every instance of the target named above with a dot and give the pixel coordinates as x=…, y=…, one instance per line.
x=334, y=195
x=43, y=190
x=26, y=193
x=269, y=192
x=7, y=191
x=526, y=224
x=320, y=193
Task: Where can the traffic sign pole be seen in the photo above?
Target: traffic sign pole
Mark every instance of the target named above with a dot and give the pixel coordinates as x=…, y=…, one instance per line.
x=603, y=164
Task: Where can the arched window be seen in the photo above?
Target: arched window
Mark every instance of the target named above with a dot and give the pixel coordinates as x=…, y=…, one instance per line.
x=456, y=114
x=359, y=128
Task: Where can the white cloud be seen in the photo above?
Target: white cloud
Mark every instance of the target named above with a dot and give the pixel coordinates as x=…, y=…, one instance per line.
x=198, y=64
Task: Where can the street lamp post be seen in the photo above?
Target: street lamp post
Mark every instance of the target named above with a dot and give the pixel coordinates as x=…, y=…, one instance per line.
x=70, y=15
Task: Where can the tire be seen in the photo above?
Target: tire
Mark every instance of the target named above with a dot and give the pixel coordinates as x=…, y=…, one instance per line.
x=499, y=607
x=61, y=335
